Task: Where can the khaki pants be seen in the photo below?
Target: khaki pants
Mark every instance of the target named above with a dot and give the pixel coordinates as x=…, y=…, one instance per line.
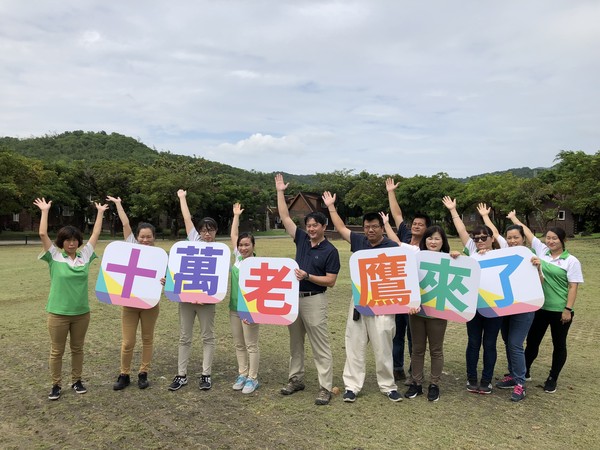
x=59, y=326
x=130, y=317
x=245, y=340
x=423, y=330
x=187, y=317
x=311, y=321
x=379, y=330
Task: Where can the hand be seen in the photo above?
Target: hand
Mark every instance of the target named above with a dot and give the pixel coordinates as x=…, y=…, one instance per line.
x=113, y=199
x=101, y=208
x=300, y=274
x=412, y=311
x=449, y=203
x=389, y=184
x=536, y=261
x=328, y=199
x=181, y=193
x=280, y=185
x=246, y=322
x=454, y=254
x=237, y=209
x=512, y=215
x=483, y=209
x=566, y=316
x=42, y=204
x=163, y=280
x=385, y=217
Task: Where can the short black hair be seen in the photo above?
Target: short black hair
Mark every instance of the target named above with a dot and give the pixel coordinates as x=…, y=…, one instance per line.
x=519, y=228
x=318, y=217
x=142, y=226
x=423, y=216
x=68, y=232
x=562, y=234
x=430, y=231
x=484, y=229
x=370, y=216
x=209, y=223
x=243, y=236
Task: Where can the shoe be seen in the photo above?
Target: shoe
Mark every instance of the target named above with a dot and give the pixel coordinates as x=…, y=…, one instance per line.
x=250, y=386
x=527, y=376
x=178, y=382
x=79, y=387
x=323, y=397
x=518, y=393
x=239, y=383
x=394, y=396
x=414, y=390
x=205, y=383
x=349, y=396
x=550, y=385
x=485, y=388
x=55, y=393
x=294, y=385
x=472, y=386
x=122, y=382
x=399, y=375
x=143, y=380
x=507, y=382
x=433, y=393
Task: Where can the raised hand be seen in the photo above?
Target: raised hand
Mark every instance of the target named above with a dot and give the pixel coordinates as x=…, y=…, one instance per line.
x=512, y=215
x=181, y=193
x=385, y=217
x=280, y=185
x=100, y=207
x=449, y=202
x=237, y=209
x=483, y=209
x=389, y=184
x=328, y=199
x=115, y=200
x=42, y=204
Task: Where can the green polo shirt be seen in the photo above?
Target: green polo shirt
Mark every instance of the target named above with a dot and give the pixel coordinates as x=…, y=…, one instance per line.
x=68, y=280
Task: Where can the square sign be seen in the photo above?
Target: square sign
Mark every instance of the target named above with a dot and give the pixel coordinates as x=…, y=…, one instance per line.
x=130, y=275
x=510, y=284
x=268, y=291
x=449, y=287
x=385, y=281
x=198, y=272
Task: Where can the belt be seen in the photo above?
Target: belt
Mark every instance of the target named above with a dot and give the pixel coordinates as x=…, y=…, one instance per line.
x=308, y=294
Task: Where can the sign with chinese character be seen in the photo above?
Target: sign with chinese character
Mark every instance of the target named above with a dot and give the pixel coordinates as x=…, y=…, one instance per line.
x=384, y=281
x=449, y=287
x=198, y=272
x=130, y=275
x=510, y=284
x=268, y=291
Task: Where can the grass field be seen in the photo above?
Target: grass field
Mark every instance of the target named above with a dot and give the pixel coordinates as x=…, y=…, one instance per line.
x=222, y=418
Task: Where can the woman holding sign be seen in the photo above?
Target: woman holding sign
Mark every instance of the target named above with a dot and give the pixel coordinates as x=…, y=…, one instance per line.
x=68, y=306
x=562, y=275
x=245, y=334
x=131, y=317
x=480, y=329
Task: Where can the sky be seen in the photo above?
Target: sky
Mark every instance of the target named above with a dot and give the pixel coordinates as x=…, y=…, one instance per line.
x=390, y=87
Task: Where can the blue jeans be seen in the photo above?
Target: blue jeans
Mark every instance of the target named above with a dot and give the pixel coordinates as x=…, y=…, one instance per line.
x=482, y=329
x=402, y=329
x=514, y=332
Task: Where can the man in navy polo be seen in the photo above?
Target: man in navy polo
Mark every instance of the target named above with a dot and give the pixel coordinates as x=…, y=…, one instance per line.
x=319, y=264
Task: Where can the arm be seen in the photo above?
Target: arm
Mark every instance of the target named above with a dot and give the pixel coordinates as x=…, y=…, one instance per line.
x=97, y=224
x=394, y=206
x=484, y=212
x=388, y=229
x=185, y=211
x=338, y=223
x=327, y=280
x=43, y=231
x=458, y=223
x=571, y=296
x=122, y=215
x=235, y=224
x=284, y=214
x=513, y=218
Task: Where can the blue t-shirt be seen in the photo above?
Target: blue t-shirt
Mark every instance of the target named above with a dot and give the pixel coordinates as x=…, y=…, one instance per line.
x=359, y=242
x=318, y=260
x=404, y=233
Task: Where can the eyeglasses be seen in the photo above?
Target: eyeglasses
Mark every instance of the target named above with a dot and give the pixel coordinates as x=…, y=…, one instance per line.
x=205, y=231
x=371, y=227
x=480, y=238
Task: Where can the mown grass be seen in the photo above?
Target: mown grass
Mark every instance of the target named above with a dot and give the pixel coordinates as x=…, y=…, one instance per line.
x=222, y=418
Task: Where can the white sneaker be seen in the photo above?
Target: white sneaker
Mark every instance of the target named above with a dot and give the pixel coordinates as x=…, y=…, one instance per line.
x=250, y=386
x=240, y=381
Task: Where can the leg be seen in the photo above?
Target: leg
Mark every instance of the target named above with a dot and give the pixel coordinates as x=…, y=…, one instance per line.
x=419, y=342
x=129, y=323
x=251, y=339
x=381, y=330
x=316, y=329
x=148, y=318
x=491, y=328
x=398, y=341
x=187, y=315
x=356, y=340
x=538, y=328
x=559, y=333
x=58, y=328
x=474, y=334
x=436, y=330
x=297, y=332
x=505, y=331
x=239, y=343
x=79, y=327
x=519, y=327
x=206, y=316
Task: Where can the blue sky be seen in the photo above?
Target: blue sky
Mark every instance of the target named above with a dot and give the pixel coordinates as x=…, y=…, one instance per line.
x=311, y=86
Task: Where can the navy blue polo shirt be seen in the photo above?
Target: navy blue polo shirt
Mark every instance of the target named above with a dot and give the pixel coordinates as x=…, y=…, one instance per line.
x=318, y=260
x=359, y=242
x=404, y=233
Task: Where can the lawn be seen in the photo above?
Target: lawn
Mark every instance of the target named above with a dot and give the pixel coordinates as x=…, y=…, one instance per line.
x=222, y=418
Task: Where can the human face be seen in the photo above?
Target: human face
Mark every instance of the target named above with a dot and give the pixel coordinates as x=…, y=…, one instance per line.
x=434, y=242
x=552, y=242
x=316, y=231
x=245, y=247
x=70, y=246
x=514, y=238
x=418, y=227
x=207, y=234
x=145, y=236
x=373, y=231
x=483, y=241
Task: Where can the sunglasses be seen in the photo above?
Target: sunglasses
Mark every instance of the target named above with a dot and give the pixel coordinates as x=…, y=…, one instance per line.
x=480, y=238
